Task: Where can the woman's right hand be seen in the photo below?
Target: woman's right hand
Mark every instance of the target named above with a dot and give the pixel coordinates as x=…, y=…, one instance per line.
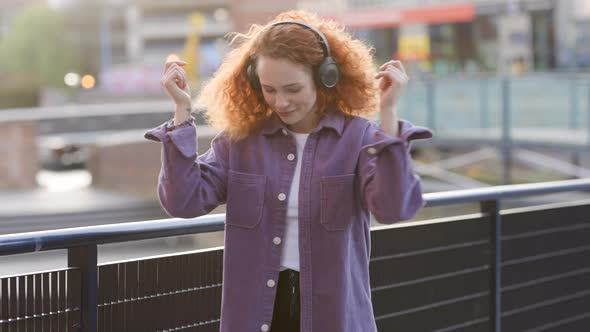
x=175, y=83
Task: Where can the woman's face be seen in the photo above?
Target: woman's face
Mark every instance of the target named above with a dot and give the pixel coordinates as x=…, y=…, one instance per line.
x=289, y=90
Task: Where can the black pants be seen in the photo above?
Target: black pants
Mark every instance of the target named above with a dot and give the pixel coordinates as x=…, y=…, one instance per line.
x=285, y=316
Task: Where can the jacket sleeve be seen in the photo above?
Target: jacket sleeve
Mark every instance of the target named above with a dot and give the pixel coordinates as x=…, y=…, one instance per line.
x=389, y=188
x=190, y=185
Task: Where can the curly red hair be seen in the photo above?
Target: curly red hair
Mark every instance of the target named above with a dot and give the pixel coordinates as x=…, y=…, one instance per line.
x=232, y=105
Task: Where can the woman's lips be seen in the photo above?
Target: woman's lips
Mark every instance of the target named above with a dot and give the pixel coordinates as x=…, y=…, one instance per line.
x=285, y=113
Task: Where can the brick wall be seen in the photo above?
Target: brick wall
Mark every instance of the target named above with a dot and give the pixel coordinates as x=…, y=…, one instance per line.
x=132, y=166
x=19, y=160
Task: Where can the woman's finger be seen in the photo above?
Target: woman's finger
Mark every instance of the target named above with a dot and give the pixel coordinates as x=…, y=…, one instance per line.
x=384, y=80
x=389, y=79
x=392, y=74
x=395, y=63
x=168, y=64
x=173, y=77
x=391, y=67
x=174, y=66
x=399, y=65
x=175, y=74
x=383, y=66
x=398, y=73
x=178, y=69
x=182, y=74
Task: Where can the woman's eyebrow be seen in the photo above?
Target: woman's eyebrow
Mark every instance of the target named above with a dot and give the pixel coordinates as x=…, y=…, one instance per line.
x=284, y=86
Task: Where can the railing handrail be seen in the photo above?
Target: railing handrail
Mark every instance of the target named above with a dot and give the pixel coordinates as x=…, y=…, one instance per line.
x=84, y=110
x=28, y=242
x=87, y=110
x=504, y=192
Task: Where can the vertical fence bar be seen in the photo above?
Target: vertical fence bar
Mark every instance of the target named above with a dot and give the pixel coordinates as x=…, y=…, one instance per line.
x=38, y=302
x=431, y=102
x=61, y=284
x=54, y=302
x=45, y=308
x=121, y=317
x=22, y=302
x=13, y=303
x=492, y=209
x=484, y=103
x=30, y=290
x=506, y=140
x=85, y=259
x=574, y=107
x=4, y=314
x=588, y=120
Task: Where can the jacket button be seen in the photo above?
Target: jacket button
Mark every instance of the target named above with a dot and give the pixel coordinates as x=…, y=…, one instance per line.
x=270, y=283
x=276, y=240
x=282, y=197
x=372, y=150
x=264, y=328
x=291, y=156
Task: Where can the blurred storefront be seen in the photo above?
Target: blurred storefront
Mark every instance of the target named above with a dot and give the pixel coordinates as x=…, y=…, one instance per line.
x=435, y=36
x=516, y=36
x=461, y=36
x=431, y=37
x=581, y=42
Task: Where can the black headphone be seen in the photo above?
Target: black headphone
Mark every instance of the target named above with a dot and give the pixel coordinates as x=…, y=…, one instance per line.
x=326, y=74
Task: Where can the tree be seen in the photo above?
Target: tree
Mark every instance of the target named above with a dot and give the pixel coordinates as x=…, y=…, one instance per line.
x=37, y=48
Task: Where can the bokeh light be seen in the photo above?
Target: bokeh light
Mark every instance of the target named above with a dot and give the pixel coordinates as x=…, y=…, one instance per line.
x=88, y=82
x=72, y=79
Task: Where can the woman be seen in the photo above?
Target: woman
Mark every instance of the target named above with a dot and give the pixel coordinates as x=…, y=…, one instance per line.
x=299, y=168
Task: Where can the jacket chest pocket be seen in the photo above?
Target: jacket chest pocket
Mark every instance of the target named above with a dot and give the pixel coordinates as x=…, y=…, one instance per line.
x=245, y=199
x=337, y=195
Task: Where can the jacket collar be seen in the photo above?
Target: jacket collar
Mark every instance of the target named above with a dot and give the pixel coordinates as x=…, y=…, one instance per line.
x=333, y=119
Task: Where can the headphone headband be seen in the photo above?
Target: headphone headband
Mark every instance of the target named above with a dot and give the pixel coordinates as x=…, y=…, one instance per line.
x=324, y=42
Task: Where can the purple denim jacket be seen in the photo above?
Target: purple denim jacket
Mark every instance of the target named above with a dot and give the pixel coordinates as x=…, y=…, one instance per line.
x=350, y=167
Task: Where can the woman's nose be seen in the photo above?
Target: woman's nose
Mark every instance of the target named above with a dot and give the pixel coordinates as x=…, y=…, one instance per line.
x=281, y=101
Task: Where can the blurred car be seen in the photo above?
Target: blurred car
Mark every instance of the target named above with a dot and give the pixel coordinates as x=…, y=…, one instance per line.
x=57, y=154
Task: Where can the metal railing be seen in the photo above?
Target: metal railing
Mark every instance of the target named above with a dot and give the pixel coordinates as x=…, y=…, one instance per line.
x=81, y=244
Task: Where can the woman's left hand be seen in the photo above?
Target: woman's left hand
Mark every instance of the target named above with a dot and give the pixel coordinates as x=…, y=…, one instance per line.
x=393, y=78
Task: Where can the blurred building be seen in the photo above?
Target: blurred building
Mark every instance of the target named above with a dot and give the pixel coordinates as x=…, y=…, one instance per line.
x=574, y=36
x=126, y=41
x=138, y=35
x=449, y=36
x=246, y=12
x=435, y=36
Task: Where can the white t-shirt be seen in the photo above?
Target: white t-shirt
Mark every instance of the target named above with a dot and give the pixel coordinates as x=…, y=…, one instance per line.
x=290, y=256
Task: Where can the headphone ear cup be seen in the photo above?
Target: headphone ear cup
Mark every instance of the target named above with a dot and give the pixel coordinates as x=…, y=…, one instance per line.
x=253, y=77
x=328, y=73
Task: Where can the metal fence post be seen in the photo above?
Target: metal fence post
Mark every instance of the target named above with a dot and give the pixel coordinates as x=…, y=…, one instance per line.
x=574, y=112
x=588, y=120
x=85, y=259
x=431, y=103
x=483, y=103
x=506, y=140
x=492, y=209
